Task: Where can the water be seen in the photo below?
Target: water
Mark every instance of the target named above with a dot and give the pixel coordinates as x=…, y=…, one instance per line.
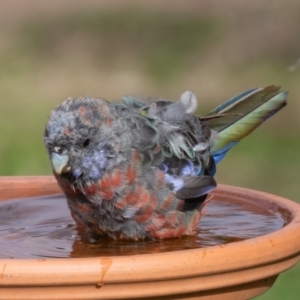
x=42, y=227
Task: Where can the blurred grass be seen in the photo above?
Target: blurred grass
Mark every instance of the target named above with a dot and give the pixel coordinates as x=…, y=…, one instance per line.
x=110, y=53
x=161, y=42
x=267, y=167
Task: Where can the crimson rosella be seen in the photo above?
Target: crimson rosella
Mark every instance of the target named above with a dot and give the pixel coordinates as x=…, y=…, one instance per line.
x=142, y=169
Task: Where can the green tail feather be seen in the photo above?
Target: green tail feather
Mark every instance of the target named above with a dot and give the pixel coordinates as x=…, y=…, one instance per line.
x=242, y=115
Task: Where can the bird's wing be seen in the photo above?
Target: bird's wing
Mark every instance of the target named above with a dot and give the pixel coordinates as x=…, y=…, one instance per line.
x=170, y=138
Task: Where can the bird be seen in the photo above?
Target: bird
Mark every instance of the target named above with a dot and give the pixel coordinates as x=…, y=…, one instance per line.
x=144, y=168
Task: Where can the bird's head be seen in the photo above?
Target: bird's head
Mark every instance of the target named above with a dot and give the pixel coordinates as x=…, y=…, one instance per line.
x=81, y=137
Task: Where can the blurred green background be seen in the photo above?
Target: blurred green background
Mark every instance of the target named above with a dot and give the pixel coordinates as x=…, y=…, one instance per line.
x=50, y=50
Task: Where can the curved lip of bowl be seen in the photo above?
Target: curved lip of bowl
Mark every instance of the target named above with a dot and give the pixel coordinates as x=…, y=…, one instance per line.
x=269, y=249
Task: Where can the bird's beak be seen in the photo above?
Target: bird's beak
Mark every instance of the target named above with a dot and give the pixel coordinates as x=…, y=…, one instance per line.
x=60, y=163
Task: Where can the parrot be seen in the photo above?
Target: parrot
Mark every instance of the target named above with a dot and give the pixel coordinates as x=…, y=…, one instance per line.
x=143, y=168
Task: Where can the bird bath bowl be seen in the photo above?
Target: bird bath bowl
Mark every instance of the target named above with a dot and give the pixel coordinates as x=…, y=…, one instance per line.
x=237, y=270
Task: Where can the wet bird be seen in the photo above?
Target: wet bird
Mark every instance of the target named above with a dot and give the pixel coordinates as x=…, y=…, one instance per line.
x=143, y=169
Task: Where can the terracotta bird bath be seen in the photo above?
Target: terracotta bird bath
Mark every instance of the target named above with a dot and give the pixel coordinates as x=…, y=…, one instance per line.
x=237, y=270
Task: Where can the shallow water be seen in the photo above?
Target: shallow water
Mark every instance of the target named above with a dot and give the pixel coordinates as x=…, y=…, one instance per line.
x=42, y=227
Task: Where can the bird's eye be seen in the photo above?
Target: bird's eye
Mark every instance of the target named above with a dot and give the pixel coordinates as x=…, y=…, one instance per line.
x=58, y=150
x=86, y=143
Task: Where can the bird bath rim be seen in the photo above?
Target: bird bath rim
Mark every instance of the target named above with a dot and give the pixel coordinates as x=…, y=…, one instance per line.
x=247, y=267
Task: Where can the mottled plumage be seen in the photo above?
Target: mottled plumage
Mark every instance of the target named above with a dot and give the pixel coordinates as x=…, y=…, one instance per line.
x=142, y=169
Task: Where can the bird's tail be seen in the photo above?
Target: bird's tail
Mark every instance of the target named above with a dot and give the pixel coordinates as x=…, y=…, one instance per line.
x=239, y=116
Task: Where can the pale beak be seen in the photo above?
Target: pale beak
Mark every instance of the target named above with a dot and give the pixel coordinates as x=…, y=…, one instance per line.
x=60, y=163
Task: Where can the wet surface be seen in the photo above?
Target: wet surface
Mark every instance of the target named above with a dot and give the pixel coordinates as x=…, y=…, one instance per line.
x=42, y=227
